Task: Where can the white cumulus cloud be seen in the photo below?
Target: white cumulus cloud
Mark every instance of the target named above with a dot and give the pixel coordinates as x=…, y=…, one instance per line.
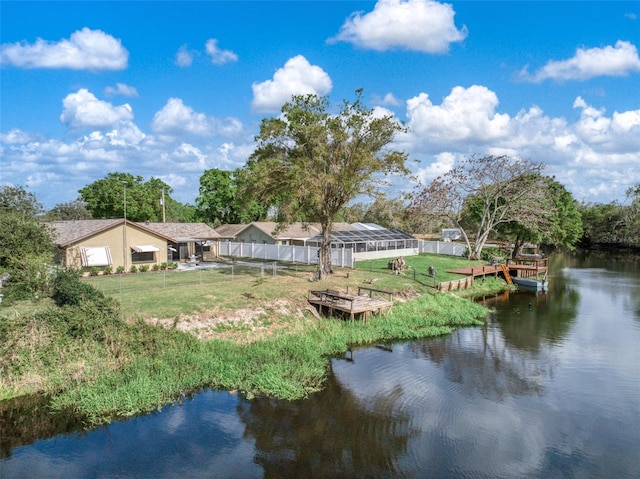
x=86, y=49
x=217, y=55
x=176, y=119
x=596, y=156
x=420, y=25
x=121, y=89
x=15, y=136
x=618, y=134
x=83, y=110
x=389, y=99
x=618, y=60
x=466, y=114
x=297, y=77
x=184, y=56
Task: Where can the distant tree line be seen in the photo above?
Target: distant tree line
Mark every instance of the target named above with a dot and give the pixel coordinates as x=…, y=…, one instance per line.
x=612, y=225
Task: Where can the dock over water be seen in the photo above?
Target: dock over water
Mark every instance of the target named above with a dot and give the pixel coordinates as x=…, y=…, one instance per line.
x=366, y=302
x=521, y=267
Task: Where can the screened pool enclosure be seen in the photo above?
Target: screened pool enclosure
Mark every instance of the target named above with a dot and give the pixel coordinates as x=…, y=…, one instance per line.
x=372, y=243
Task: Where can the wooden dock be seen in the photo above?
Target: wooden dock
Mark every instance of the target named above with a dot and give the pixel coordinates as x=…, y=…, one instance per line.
x=522, y=267
x=335, y=303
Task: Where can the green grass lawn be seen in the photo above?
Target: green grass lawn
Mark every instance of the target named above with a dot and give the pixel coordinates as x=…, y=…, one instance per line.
x=182, y=331
x=167, y=294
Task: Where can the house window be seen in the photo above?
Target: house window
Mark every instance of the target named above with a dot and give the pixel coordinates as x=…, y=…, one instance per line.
x=95, y=256
x=144, y=257
x=144, y=253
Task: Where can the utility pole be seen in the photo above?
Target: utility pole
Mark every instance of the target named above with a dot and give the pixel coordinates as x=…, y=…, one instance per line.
x=163, y=208
x=124, y=228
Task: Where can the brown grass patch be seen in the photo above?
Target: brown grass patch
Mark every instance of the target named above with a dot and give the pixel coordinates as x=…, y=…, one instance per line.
x=242, y=325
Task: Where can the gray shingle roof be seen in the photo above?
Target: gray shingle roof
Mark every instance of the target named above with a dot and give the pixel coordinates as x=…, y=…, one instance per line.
x=230, y=230
x=183, y=231
x=72, y=231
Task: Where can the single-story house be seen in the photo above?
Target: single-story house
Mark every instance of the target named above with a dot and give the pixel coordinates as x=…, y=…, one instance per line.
x=86, y=244
x=266, y=232
x=188, y=240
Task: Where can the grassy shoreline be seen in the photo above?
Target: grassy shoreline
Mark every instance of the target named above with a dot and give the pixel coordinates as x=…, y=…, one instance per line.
x=114, y=367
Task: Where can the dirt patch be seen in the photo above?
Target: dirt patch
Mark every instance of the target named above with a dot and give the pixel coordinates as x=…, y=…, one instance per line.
x=242, y=325
x=406, y=295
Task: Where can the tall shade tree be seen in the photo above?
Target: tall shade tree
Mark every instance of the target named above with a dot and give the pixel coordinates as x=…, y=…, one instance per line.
x=220, y=202
x=73, y=210
x=561, y=226
x=19, y=199
x=105, y=198
x=313, y=163
x=602, y=224
x=492, y=191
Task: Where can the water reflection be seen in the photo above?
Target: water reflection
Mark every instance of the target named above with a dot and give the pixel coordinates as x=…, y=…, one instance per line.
x=331, y=434
x=25, y=420
x=548, y=388
x=489, y=368
x=529, y=320
x=199, y=438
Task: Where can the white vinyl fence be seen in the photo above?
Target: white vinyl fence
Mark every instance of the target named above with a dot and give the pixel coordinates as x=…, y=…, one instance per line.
x=296, y=254
x=343, y=257
x=443, y=247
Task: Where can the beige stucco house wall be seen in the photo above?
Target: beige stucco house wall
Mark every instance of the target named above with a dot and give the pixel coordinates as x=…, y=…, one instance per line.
x=188, y=240
x=85, y=244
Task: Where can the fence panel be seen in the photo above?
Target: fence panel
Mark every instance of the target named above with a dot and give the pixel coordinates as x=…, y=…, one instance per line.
x=342, y=257
x=442, y=247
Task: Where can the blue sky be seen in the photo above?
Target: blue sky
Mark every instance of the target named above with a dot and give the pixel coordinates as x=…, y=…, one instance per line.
x=170, y=89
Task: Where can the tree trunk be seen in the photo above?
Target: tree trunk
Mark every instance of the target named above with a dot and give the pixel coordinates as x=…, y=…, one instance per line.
x=517, y=247
x=324, y=261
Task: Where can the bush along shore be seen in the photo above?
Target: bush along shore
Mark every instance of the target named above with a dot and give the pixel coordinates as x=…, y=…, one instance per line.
x=85, y=356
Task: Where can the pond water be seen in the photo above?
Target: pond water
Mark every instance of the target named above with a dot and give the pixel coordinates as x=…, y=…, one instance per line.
x=549, y=389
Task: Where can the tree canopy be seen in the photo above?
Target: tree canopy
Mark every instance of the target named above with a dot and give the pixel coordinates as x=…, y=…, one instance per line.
x=73, y=210
x=105, y=198
x=27, y=245
x=386, y=212
x=312, y=163
x=481, y=194
x=19, y=199
x=561, y=226
x=612, y=223
x=219, y=201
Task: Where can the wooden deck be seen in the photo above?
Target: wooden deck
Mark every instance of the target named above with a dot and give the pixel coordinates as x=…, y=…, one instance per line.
x=522, y=267
x=368, y=301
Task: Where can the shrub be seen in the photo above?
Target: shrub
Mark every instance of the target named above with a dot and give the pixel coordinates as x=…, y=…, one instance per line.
x=107, y=270
x=69, y=290
x=156, y=267
x=31, y=276
x=94, y=271
x=144, y=268
x=492, y=254
x=133, y=269
x=120, y=269
x=164, y=265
